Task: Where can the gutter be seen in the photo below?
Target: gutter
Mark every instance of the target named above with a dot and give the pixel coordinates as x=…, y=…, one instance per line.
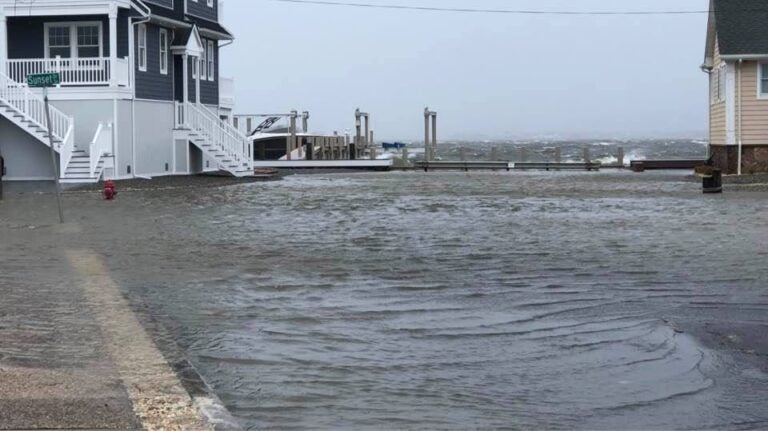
x=739, y=111
x=146, y=17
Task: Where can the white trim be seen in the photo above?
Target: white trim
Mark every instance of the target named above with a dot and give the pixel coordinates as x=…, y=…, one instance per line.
x=730, y=104
x=760, y=94
x=210, y=3
x=142, y=57
x=164, y=51
x=10, y=179
x=156, y=3
x=73, y=45
x=211, y=56
x=90, y=93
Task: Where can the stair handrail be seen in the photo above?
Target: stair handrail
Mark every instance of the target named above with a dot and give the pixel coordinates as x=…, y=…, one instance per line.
x=66, y=148
x=236, y=146
x=101, y=145
x=19, y=97
x=245, y=143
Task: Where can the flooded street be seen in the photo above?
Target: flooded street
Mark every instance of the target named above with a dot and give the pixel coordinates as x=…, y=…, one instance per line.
x=447, y=300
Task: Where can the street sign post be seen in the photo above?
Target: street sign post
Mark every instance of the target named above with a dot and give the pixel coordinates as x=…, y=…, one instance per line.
x=45, y=80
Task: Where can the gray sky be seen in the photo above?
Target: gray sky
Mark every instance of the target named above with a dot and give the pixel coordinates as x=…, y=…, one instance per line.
x=489, y=76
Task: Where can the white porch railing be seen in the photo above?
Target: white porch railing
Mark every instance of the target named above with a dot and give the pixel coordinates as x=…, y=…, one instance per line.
x=101, y=145
x=31, y=105
x=223, y=137
x=73, y=71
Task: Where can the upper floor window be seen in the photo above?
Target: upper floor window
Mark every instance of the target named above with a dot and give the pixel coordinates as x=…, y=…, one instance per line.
x=210, y=3
x=163, y=51
x=142, y=47
x=763, y=80
x=73, y=40
x=211, y=54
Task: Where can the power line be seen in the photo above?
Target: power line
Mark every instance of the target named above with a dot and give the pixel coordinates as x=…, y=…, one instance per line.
x=496, y=11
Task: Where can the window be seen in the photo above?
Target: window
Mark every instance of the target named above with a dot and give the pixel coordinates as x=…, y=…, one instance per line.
x=88, y=41
x=59, y=43
x=194, y=68
x=764, y=79
x=73, y=40
x=203, y=60
x=164, y=51
x=211, y=61
x=143, y=47
x=210, y=3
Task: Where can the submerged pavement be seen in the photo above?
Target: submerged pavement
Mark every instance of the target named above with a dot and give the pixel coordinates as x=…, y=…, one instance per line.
x=73, y=355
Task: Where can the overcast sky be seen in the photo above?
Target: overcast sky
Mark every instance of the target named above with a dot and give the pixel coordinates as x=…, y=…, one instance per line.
x=490, y=76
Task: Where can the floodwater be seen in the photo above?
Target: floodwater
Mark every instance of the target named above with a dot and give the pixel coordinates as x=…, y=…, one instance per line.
x=451, y=300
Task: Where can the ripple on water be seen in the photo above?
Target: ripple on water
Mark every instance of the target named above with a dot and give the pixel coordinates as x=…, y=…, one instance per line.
x=405, y=300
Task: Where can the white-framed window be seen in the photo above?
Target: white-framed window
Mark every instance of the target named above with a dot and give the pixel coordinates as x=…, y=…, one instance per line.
x=717, y=84
x=211, y=61
x=763, y=80
x=203, y=60
x=163, y=51
x=194, y=67
x=210, y=3
x=142, y=47
x=73, y=40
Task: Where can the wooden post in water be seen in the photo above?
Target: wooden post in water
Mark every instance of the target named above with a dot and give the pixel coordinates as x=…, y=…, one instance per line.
x=587, y=157
x=494, y=154
x=372, y=146
x=434, y=135
x=427, y=156
x=558, y=155
x=405, y=156
x=620, y=156
x=463, y=154
x=292, y=138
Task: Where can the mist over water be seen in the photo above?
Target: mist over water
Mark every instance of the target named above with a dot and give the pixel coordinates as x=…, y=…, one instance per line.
x=455, y=300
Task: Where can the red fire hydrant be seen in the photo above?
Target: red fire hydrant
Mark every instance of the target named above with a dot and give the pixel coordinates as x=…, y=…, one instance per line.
x=109, y=190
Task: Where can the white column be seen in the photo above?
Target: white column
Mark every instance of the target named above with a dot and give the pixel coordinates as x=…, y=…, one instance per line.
x=197, y=82
x=3, y=42
x=113, y=46
x=185, y=69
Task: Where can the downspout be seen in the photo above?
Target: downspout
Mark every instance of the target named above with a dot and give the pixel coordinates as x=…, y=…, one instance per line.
x=146, y=17
x=739, y=111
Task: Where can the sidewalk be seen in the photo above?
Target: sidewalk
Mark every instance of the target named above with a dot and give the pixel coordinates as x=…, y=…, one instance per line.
x=72, y=353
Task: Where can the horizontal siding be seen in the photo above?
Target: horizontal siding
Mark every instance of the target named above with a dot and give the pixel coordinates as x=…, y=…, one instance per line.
x=717, y=121
x=201, y=9
x=26, y=35
x=754, y=111
x=152, y=84
x=209, y=90
x=164, y=3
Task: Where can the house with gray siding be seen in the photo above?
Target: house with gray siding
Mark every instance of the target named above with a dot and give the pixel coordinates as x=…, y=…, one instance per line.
x=140, y=95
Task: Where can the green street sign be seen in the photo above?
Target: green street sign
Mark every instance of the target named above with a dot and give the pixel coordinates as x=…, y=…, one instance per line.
x=44, y=80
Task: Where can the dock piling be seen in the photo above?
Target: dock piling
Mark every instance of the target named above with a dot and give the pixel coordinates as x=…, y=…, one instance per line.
x=620, y=156
x=558, y=155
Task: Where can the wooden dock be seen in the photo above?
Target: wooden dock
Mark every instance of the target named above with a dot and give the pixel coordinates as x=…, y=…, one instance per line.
x=324, y=164
x=650, y=165
x=505, y=166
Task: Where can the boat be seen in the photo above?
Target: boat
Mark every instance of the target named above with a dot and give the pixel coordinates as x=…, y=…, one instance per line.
x=393, y=146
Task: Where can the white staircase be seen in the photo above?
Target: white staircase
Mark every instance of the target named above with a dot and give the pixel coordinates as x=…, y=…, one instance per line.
x=231, y=150
x=25, y=109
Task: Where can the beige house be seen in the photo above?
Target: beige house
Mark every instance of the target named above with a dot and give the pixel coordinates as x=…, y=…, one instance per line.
x=736, y=60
